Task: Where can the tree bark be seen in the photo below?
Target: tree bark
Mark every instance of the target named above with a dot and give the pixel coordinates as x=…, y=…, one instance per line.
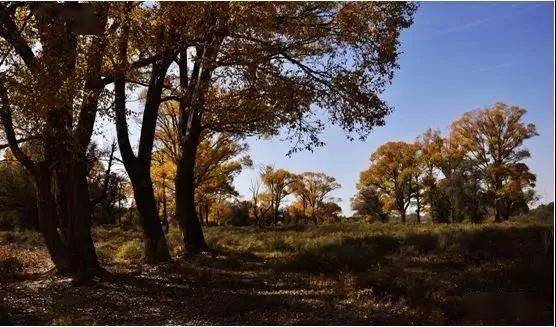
x=82, y=249
x=48, y=221
x=156, y=248
x=165, y=225
x=186, y=215
x=191, y=105
x=418, y=211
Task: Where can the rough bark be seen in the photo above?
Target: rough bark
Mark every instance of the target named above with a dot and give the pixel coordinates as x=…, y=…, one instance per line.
x=48, y=221
x=84, y=257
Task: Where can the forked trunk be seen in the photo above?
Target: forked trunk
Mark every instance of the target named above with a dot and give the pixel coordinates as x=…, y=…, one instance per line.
x=70, y=244
x=138, y=167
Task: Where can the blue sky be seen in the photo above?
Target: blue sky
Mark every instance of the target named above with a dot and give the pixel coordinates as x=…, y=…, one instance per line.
x=457, y=57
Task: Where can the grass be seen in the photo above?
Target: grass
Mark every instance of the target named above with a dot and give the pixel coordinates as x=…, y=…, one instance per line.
x=450, y=271
x=353, y=273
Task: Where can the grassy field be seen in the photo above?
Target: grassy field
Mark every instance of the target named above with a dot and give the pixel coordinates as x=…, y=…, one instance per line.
x=349, y=273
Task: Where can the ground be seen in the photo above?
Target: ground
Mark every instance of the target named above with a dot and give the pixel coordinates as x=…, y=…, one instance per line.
x=350, y=273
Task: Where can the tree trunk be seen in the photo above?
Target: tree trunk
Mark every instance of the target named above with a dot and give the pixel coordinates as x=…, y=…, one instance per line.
x=72, y=196
x=497, y=215
x=48, y=222
x=138, y=167
x=82, y=249
x=418, y=211
x=207, y=210
x=275, y=215
x=192, y=232
x=155, y=245
x=165, y=224
x=191, y=107
x=314, y=217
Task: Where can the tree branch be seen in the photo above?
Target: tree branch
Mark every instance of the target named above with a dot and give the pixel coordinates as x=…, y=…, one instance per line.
x=10, y=32
x=22, y=140
x=6, y=120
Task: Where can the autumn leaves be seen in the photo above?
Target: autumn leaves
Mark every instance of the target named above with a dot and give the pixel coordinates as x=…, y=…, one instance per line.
x=474, y=172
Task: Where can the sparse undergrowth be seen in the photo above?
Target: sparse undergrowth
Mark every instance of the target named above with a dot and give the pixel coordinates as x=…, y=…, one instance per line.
x=343, y=273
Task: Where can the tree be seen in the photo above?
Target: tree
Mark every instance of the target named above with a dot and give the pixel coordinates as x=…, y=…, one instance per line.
x=452, y=184
x=367, y=203
x=18, y=206
x=517, y=193
x=297, y=211
x=240, y=213
x=330, y=211
x=252, y=68
x=493, y=140
x=312, y=190
x=276, y=182
x=392, y=170
x=52, y=84
x=259, y=206
x=220, y=158
x=419, y=179
x=154, y=40
x=105, y=186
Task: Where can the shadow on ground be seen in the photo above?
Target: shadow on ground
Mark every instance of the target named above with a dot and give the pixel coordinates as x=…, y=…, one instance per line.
x=485, y=277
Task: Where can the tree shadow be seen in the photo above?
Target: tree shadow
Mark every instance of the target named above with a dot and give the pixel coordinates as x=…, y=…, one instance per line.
x=385, y=279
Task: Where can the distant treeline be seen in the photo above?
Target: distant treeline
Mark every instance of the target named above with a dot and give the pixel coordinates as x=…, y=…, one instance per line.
x=475, y=172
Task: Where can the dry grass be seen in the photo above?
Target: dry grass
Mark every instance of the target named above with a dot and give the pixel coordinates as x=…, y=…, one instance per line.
x=347, y=273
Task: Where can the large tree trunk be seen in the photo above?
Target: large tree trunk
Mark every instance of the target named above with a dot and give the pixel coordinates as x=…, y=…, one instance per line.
x=48, y=221
x=186, y=215
x=191, y=107
x=156, y=247
x=82, y=249
x=165, y=224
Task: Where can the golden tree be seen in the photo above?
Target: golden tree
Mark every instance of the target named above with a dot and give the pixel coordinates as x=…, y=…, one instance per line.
x=312, y=190
x=220, y=158
x=392, y=170
x=51, y=89
x=255, y=67
x=493, y=140
x=276, y=182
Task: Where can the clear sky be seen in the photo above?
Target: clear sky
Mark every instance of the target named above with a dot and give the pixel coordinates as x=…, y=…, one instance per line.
x=457, y=57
